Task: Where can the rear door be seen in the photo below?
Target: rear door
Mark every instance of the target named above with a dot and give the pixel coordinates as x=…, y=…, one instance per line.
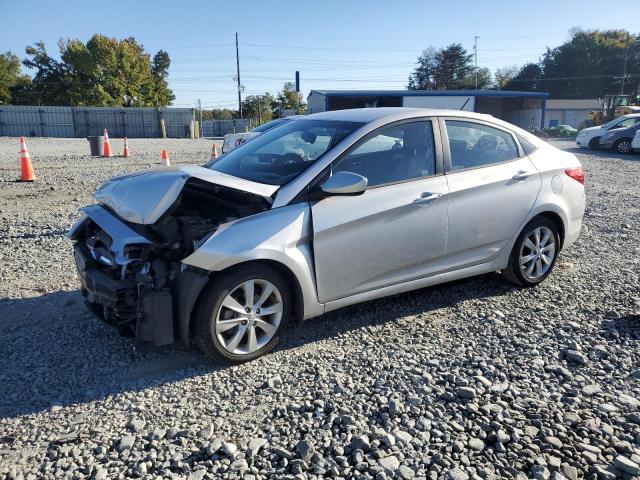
x=396, y=230
x=492, y=187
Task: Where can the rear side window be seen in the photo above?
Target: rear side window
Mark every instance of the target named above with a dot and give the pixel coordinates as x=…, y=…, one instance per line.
x=399, y=153
x=475, y=145
x=527, y=146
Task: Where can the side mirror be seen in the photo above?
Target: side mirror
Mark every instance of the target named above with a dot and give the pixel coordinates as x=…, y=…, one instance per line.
x=345, y=183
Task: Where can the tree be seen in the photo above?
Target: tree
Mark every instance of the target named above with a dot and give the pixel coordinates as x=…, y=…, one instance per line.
x=454, y=68
x=286, y=99
x=103, y=72
x=527, y=79
x=218, y=114
x=448, y=68
x=585, y=66
x=258, y=107
x=160, y=72
x=423, y=76
x=503, y=75
x=485, y=79
x=10, y=77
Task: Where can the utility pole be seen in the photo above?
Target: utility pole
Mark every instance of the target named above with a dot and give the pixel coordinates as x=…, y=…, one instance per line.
x=297, y=92
x=259, y=111
x=475, y=57
x=624, y=73
x=200, y=108
x=238, y=76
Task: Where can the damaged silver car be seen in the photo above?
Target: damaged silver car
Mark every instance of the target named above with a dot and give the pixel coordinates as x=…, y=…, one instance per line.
x=324, y=211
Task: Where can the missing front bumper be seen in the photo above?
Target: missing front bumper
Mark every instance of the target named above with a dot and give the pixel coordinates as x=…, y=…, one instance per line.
x=160, y=316
x=128, y=305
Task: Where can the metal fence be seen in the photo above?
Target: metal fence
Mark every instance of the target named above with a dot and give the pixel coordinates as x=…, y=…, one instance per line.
x=36, y=121
x=218, y=128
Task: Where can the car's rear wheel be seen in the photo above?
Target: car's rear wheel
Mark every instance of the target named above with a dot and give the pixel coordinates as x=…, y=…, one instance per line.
x=534, y=254
x=623, y=145
x=594, y=143
x=241, y=314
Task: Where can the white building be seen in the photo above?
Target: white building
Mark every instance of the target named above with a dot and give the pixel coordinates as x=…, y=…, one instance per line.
x=524, y=109
x=569, y=111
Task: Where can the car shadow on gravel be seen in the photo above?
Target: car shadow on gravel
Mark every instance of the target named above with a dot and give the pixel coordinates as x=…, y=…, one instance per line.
x=56, y=354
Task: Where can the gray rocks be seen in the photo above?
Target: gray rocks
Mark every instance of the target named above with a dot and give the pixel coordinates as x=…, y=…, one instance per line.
x=626, y=465
x=304, y=450
x=136, y=425
x=470, y=380
x=576, y=357
x=360, y=443
x=457, y=474
x=126, y=442
x=476, y=444
x=467, y=392
x=255, y=445
x=390, y=464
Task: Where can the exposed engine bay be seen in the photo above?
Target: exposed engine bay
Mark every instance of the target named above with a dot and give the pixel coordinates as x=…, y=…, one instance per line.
x=132, y=273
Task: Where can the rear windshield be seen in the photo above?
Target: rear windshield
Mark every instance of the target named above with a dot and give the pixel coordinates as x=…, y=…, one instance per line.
x=281, y=154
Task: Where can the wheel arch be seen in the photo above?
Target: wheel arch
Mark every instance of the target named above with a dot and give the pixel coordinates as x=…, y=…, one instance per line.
x=557, y=221
x=297, y=297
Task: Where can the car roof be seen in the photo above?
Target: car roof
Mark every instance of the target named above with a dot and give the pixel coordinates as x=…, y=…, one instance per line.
x=367, y=115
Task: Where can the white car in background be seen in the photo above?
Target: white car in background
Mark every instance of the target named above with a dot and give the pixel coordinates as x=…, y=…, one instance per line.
x=234, y=140
x=635, y=143
x=590, y=137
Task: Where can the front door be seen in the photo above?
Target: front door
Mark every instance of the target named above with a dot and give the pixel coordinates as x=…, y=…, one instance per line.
x=492, y=188
x=395, y=231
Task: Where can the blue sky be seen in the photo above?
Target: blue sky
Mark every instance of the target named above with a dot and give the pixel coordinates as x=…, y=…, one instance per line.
x=335, y=44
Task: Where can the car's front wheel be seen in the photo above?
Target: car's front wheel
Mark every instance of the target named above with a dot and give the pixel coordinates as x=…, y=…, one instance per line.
x=534, y=254
x=623, y=145
x=242, y=314
x=594, y=143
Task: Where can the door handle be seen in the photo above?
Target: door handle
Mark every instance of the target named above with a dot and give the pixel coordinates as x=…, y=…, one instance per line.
x=427, y=198
x=521, y=175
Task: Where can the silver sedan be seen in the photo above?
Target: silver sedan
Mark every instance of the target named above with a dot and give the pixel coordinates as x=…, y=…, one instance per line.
x=324, y=211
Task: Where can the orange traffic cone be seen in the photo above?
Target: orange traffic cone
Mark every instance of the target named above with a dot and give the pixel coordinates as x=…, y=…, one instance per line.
x=214, y=152
x=125, y=154
x=107, y=146
x=25, y=163
x=164, y=156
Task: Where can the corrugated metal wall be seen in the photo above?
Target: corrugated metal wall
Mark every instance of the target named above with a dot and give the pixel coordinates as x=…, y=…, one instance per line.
x=34, y=121
x=218, y=128
x=525, y=119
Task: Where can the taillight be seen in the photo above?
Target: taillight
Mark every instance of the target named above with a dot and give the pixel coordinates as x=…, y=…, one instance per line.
x=576, y=173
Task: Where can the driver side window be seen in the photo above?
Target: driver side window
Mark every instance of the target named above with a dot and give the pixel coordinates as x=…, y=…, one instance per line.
x=398, y=153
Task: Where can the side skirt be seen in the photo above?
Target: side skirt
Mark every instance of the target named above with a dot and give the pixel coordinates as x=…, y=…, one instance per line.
x=488, y=267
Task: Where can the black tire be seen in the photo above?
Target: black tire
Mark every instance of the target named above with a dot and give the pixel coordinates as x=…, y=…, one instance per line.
x=594, y=143
x=203, y=332
x=623, y=146
x=513, y=273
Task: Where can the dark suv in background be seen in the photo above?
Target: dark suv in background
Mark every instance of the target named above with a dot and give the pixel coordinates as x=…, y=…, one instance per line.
x=620, y=139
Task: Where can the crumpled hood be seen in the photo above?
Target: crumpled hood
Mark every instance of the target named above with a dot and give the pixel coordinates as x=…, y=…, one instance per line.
x=143, y=197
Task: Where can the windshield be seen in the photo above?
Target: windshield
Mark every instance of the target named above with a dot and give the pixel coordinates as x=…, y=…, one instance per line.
x=284, y=152
x=269, y=125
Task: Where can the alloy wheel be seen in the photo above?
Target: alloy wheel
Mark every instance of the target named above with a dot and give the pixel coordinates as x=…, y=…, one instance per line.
x=624, y=146
x=249, y=317
x=537, y=253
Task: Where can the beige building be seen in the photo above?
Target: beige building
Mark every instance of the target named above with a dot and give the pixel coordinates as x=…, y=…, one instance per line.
x=569, y=111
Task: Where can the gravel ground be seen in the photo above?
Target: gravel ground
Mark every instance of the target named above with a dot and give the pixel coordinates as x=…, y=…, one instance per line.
x=474, y=379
